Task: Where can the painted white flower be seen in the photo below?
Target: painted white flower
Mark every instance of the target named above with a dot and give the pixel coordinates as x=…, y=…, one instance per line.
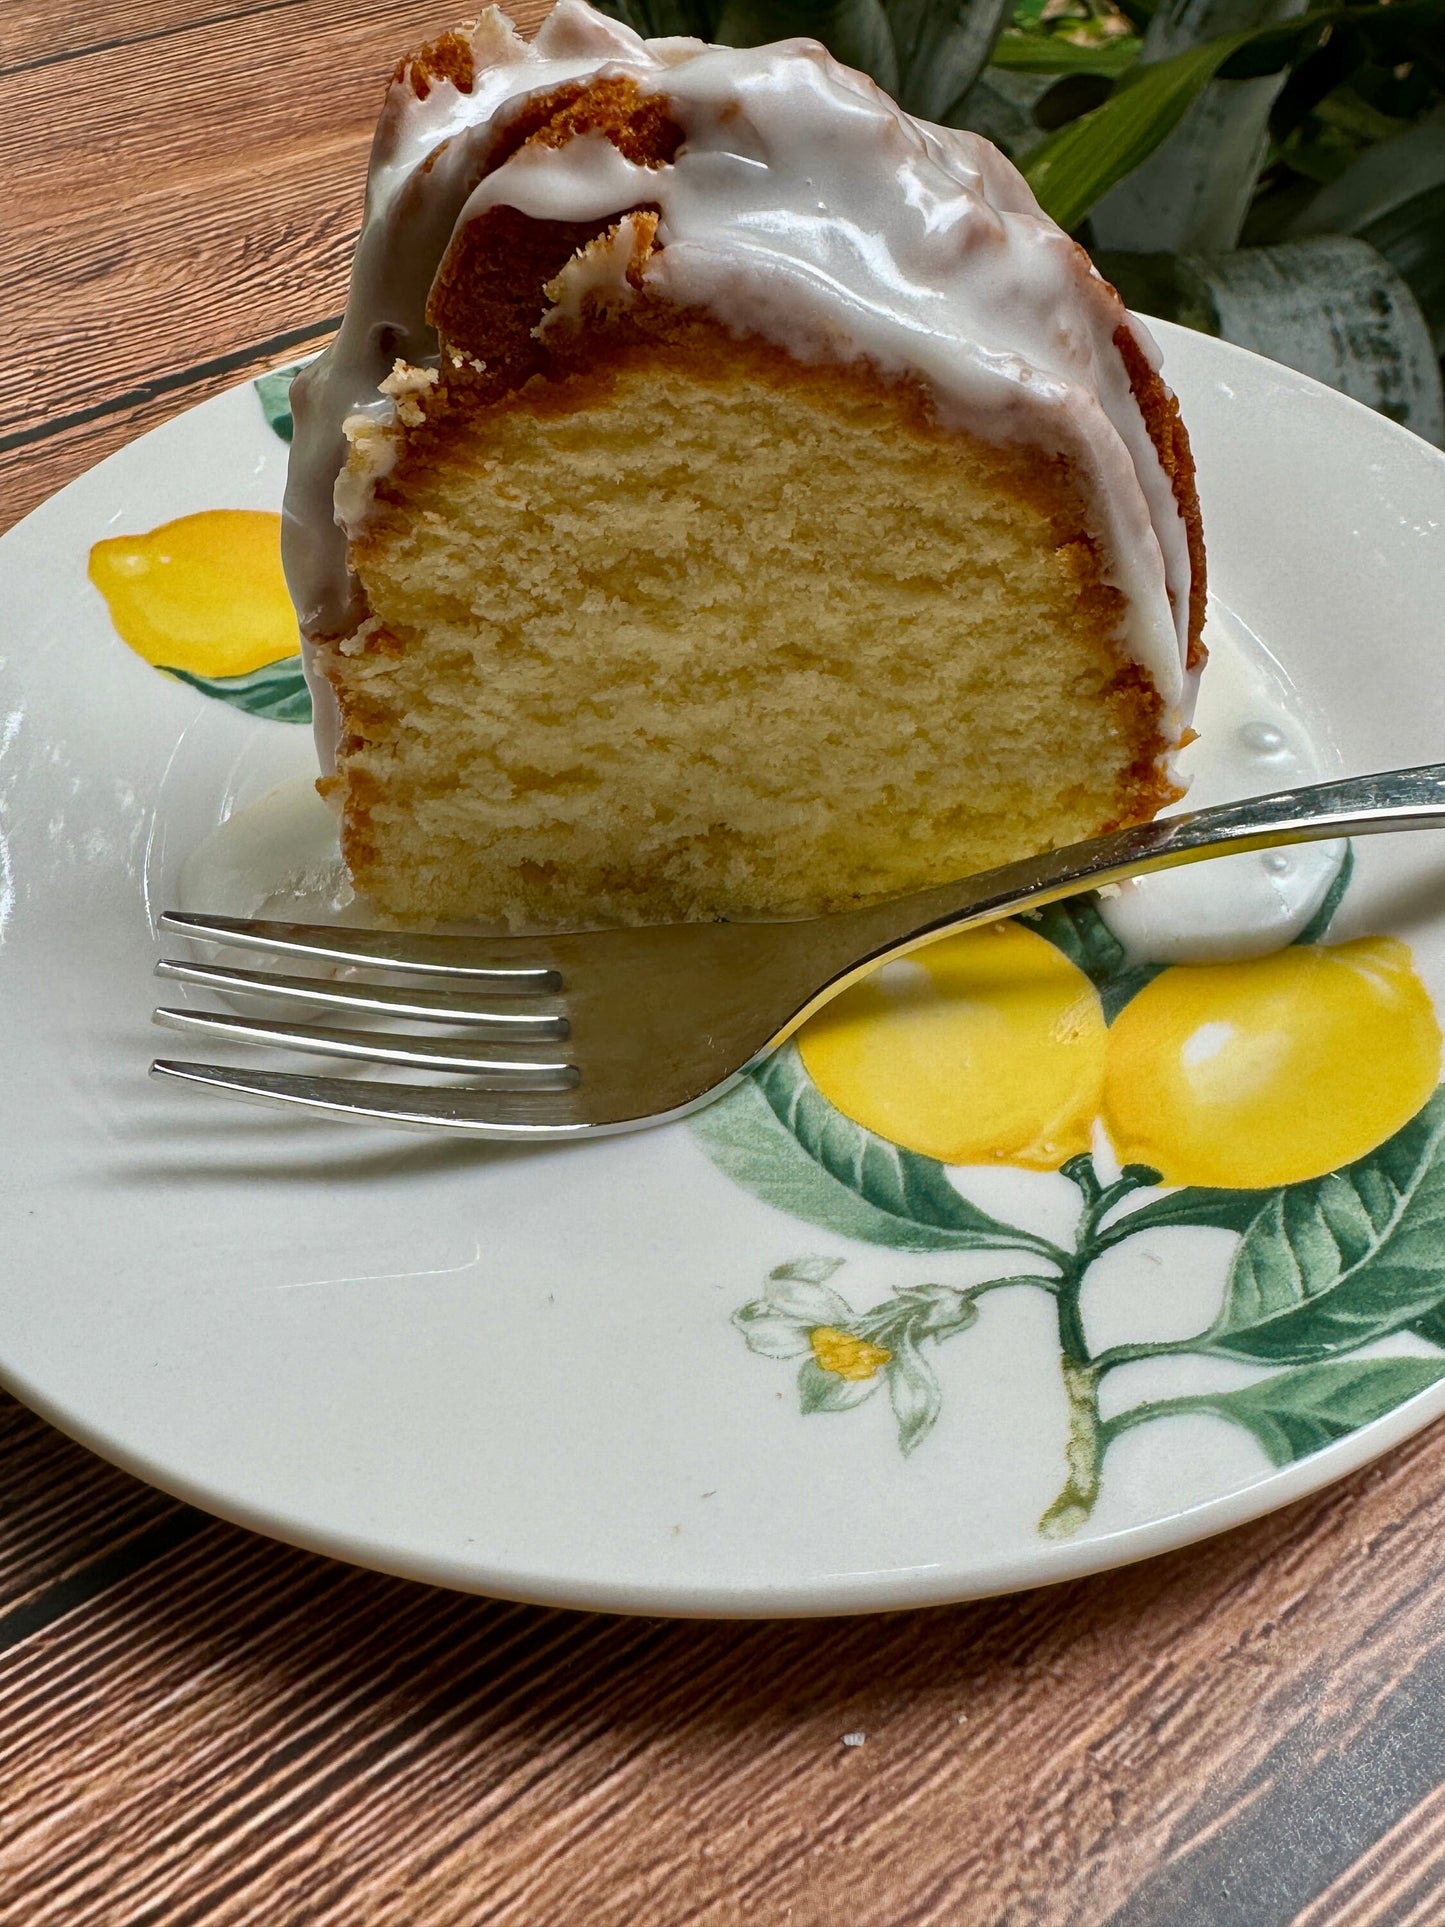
x=846, y=1355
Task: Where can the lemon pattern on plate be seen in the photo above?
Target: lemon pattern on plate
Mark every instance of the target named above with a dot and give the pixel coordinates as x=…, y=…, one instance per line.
x=204, y=593
x=1271, y=1070
x=984, y=1047
x=203, y=599
x=1291, y=1101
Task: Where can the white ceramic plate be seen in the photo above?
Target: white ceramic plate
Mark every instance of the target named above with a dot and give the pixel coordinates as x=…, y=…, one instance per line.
x=575, y=1375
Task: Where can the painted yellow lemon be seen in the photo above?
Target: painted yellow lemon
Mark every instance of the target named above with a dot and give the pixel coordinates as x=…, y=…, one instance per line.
x=204, y=594
x=1272, y=1070
x=988, y=1046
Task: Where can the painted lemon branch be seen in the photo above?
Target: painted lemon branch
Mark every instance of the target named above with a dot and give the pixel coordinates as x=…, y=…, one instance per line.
x=1082, y=1373
x=1337, y=1210
x=1321, y=1269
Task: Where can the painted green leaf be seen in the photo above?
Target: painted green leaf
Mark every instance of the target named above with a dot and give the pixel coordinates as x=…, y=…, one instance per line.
x=935, y=1311
x=1300, y=1412
x=1432, y=1326
x=277, y=692
x=1076, y=927
x=820, y=1391
x=274, y=393
x=780, y=1138
x=1194, y=1204
x=1332, y=1264
x=914, y=1391
x=1318, y=927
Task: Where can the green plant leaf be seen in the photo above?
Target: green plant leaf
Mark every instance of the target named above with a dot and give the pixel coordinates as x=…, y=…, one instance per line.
x=1385, y=177
x=1393, y=196
x=1333, y=307
x=1077, y=166
x=1412, y=239
x=1031, y=53
x=1300, y=1412
x=1001, y=108
x=274, y=394
x=943, y=47
x=820, y=1391
x=1194, y=190
x=1400, y=30
x=695, y=19
x=854, y=31
x=277, y=692
x=1332, y=1264
x=913, y=1390
x=1321, y=75
x=780, y=1138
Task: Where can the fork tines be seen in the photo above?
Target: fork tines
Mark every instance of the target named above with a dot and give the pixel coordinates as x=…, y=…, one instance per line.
x=492, y=962
x=510, y=1014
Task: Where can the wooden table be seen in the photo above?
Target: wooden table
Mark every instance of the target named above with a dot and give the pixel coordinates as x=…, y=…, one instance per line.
x=197, y=1725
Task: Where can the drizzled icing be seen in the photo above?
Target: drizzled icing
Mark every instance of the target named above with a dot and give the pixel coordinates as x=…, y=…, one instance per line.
x=803, y=207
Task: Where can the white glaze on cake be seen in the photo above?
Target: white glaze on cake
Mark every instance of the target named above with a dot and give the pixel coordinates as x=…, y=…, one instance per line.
x=803, y=207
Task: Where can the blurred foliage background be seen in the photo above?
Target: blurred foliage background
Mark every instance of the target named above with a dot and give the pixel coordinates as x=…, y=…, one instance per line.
x=1269, y=171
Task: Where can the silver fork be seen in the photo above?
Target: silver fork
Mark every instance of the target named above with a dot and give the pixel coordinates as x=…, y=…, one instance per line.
x=578, y=1034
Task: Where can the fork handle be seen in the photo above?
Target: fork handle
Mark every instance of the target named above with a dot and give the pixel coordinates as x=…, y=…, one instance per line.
x=1401, y=799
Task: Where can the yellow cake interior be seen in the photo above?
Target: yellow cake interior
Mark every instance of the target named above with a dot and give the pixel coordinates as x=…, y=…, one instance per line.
x=691, y=634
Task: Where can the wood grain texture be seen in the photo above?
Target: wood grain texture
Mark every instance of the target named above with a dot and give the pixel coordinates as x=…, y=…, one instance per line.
x=238, y=1731
x=60, y=1511
x=36, y=33
x=199, y=1726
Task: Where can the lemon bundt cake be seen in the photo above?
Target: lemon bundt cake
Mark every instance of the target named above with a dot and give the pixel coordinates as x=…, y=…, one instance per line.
x=726, y=496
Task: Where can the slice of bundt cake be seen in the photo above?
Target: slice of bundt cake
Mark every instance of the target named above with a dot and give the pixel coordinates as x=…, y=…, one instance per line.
x=726, y=496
